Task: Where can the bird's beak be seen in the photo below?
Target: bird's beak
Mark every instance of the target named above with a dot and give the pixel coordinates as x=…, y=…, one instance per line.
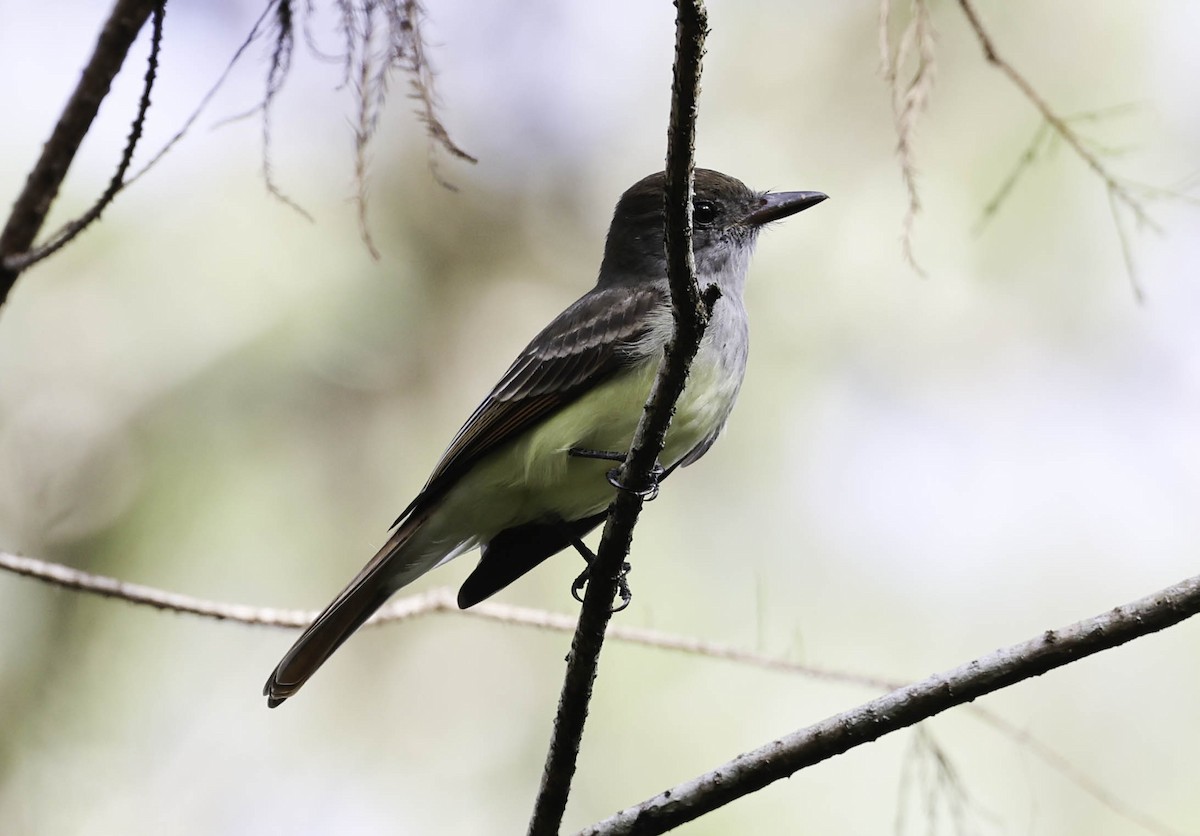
x=778, y=205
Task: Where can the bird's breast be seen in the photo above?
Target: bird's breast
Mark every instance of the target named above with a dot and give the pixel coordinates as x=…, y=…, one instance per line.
x=535, y=476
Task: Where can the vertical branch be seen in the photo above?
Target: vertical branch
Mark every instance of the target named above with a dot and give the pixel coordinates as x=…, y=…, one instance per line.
x=691, y=318
x=41, y=187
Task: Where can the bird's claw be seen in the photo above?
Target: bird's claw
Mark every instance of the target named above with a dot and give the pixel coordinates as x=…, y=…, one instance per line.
x=614, y=476
x=577, y=587
x=647, y=494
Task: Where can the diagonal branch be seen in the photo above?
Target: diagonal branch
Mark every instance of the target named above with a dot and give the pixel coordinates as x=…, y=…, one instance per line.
x=117, y=182
x=41, y=188
x=1121, y=193
x=1115, y=187
x=442, y=600
x=902, y=708
x=691, y=318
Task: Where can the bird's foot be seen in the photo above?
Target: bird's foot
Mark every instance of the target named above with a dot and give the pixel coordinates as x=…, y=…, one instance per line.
x=647, y=494
x=622, y=587
x=577, y=586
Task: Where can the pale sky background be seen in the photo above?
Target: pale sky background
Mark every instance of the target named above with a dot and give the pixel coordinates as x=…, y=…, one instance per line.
x=210, y=394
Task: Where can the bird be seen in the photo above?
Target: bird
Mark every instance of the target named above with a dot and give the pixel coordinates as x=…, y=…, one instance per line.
x=525, y=476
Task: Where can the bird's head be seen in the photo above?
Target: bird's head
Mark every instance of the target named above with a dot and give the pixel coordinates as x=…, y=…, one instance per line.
x=726, y=218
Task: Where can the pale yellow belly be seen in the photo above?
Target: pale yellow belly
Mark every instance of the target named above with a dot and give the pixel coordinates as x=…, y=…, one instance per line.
x=536, y=478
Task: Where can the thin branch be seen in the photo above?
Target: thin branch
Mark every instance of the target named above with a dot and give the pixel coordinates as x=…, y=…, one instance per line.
x=277, y=73
x=929, y=774
x=409, y=45
x=1120, y=193
x=1043, y=142
x=370, y=78
x=1126, y=247
x=902, y=708
x=442, y=600
x=76, y=579
x=369, y=70
x=255, y=32
x=1056, y=122
x=310, y=39
x=909, y=100
x=691, y=317
x=349, y=30
x=1060, y=764
x=72, y=228
x=403, y=48
x=41, y=188
x=1036, y=147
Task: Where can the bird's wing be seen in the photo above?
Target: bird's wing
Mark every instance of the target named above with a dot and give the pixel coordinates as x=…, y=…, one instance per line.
x=583, y=346
x=515, y=551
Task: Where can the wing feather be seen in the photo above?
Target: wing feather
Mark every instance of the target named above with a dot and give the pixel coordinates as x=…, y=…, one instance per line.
x=584, y=345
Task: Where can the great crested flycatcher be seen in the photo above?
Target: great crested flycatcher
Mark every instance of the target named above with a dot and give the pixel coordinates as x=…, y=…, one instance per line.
x=517, y=480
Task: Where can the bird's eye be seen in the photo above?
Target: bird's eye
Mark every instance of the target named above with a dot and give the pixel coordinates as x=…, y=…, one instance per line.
x=704, y=212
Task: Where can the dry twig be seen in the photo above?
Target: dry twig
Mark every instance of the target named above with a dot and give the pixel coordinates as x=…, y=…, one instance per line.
x=255, y=33
x=691, y=313
x=908, y=64
x=1121, y=193
x=442, y=600
x=380, y=38
x=901, y=708
x=41, y=187
x=910, y=98
x=72, y=228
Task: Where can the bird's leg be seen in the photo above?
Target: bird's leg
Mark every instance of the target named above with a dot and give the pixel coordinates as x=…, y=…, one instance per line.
x=613, y=475
x=606, y=455
x=580, y=582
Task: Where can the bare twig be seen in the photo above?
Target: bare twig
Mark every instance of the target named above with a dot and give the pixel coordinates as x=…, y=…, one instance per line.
x=1044, y=139
x=255, y=32
x=277, y=73
x=370, y=67
x=403, y=48
x=1036, y=147
x=910, y=98
x=911, y=90
x=72, y=228
x=409, y=51
x=41, y=188
x=691, y=318
x=1060, y=764
x=369, y=80
x=1121, y=194
x=442, y=600
x=1114, y=206
x=310, y=39
x=1060, y=126
x=930, y=775
x=134, y=593
x=901, y=708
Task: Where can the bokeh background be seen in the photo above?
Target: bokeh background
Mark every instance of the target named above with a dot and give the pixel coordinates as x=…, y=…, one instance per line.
x=210, y=394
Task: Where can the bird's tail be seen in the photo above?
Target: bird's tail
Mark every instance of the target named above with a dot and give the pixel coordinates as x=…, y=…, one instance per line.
x=383, y=575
